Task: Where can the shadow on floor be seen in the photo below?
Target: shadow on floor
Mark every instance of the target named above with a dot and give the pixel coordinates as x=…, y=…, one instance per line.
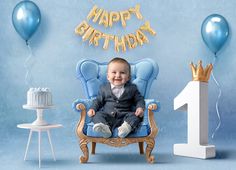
x=225, y=154
x=49, y=163
x=125, y=158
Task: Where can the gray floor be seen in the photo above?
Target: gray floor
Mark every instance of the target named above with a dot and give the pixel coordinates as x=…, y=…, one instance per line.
x=67, y=151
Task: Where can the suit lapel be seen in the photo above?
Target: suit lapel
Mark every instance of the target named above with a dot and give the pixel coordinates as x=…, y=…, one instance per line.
x=126, y=89
x=110, y=92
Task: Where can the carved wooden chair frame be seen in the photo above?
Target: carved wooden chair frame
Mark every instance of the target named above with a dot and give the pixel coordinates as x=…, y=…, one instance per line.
x=117, y=142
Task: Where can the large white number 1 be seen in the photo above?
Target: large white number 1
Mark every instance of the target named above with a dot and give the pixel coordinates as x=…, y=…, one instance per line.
x=194, y=99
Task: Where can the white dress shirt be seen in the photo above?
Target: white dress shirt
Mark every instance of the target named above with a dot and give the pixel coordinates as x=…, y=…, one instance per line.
x=117, y=90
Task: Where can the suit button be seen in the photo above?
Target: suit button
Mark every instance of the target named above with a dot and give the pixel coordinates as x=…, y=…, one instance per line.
x=113, y=113
x=117, y=101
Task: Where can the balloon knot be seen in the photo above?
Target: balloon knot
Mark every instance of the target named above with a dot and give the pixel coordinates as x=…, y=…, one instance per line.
x=215, y=55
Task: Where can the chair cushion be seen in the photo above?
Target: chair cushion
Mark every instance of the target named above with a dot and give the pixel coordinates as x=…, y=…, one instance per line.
x=142, y=131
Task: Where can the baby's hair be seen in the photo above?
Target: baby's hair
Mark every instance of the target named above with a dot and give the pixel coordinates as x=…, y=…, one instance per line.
x=120, y=60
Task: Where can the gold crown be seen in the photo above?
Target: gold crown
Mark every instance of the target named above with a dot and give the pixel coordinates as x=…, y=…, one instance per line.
x=200, y=74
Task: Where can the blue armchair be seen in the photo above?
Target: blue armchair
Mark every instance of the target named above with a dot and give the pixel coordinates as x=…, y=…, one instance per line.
x=92, y=74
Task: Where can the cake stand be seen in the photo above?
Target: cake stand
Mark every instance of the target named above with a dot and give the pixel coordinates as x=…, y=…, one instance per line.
x=39, y=110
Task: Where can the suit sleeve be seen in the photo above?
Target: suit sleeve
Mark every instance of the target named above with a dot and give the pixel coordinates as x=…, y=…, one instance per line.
x=138, y=99
x=98, y=102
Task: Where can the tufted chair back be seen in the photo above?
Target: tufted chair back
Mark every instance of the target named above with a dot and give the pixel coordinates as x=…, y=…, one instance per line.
x=92, y=74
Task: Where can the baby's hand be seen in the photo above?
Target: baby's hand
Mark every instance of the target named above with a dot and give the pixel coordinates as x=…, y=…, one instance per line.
x=91, y=112
x=139, y=112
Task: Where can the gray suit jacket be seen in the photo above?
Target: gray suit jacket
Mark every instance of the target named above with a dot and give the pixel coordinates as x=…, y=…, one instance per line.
x=107, y=102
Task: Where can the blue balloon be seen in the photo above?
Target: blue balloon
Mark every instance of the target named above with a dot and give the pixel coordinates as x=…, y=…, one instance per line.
x=26, y=18
x=215, y=31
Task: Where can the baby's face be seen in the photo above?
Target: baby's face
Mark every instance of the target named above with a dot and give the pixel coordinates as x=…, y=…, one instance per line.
x=118, y=73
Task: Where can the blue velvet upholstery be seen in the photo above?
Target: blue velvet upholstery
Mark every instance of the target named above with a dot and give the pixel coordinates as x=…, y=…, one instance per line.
x=92, y=74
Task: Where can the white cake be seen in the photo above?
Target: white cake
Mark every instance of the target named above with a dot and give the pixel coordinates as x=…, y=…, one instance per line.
x=39, y=97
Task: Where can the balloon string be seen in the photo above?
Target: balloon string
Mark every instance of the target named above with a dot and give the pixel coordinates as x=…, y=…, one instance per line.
x=92, y=2
x=27, y=67
x=217, y=102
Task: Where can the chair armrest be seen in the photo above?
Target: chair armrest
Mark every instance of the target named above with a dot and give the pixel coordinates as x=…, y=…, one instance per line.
x=152, y=104
x=80, y=104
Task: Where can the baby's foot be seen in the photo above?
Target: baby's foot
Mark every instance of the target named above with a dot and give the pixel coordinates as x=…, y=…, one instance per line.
x=124, y=130
x=102, y=129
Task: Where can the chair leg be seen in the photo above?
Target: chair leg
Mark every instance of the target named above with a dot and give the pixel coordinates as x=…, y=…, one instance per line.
x=140, y=144
x=93, y=147
x=84, y=148
x=150, y=145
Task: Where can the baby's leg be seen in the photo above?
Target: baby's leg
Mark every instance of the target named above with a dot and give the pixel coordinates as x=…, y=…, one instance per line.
x=124, y=130
x=131, y=122
x=101, y=125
